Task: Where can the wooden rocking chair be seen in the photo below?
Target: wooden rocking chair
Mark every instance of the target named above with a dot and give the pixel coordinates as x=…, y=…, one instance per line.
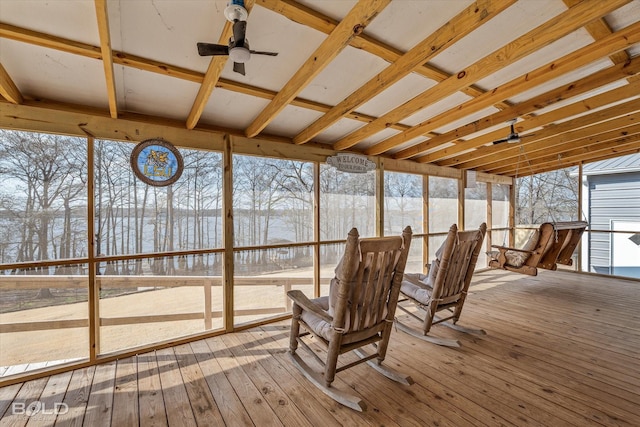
x=358, y=311
x=446, y=285
x=550, y=245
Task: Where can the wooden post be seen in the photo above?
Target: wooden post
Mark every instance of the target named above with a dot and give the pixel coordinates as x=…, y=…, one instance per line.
x=512, y=213
x=425, y=222
x=379, y=197
x=93, y=300
x=208, y=281
x=489, y=219
x=461, y=193
x=287, y=301
x=227, y=207
x=580, y=196
x=316, y=229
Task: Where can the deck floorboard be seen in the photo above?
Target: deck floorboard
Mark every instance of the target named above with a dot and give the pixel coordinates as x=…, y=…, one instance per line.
x=561, y=350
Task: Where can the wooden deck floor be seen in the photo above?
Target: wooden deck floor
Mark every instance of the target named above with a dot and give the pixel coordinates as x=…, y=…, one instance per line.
x=561, y=350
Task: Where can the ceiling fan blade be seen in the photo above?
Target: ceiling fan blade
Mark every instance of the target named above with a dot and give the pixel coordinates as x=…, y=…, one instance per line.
x=209, y=49
x=238, y=67
x=500, y=141
x=259, y=52
x=239, y=31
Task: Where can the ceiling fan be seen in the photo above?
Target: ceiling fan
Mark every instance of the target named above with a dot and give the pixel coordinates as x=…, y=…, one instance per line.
x=238, y=47
x=513, y=137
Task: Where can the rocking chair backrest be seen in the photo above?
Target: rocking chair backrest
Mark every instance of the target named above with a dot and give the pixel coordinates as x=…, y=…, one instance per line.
x=368, y=280
x=457, y=263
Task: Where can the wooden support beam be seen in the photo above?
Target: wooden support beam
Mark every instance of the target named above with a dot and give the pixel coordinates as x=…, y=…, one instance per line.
x=8, y=88
x=107, y=58
x=455, y=29
x=543, y=35
x=576, y=59
x=584, y=85
x=623, y=147
x=93, y=293
x=228, y=239
x=600, y=137
x=425, y=223
x=149, y=65
x=351, y=25
x=305, y=16
x=599, y=29
x=44, y=117
x=490, y=154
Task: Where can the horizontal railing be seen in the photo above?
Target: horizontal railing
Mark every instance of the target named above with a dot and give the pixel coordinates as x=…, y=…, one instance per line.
x=25, y=282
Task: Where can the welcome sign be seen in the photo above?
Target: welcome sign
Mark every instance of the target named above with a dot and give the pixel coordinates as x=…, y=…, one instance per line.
x=351, y=163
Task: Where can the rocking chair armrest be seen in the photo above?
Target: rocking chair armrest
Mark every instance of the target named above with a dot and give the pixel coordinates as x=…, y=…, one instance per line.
x=298, y=297
x=506, y=248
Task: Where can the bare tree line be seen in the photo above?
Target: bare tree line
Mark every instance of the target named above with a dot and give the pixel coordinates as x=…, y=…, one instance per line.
x=43, y=204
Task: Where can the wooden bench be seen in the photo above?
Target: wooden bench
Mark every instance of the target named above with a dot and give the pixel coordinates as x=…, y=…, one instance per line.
x=550, y=245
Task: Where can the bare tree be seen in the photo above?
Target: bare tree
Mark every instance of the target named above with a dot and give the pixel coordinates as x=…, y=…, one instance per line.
x=550, y=196
x=45, y=176
x=401, y=190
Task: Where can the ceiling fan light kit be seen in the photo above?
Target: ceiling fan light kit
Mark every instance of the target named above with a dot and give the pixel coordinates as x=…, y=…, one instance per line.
x=240, y=54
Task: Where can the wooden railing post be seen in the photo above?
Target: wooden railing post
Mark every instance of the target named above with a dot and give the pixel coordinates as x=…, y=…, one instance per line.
x=208, y=282
x=287, y=301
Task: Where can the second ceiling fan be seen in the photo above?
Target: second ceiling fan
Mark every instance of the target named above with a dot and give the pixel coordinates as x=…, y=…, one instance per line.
x=513, y=137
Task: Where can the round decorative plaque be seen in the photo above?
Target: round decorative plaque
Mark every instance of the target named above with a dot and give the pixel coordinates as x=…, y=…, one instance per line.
x=156, y=162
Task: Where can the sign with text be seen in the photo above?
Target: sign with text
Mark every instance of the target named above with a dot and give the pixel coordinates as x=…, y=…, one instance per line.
x=352, y=163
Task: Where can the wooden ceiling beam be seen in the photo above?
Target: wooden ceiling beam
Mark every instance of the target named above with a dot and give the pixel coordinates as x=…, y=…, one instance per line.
x=599, y=29
x=455, y=29
x=576, y=59
x=8, y=88
x=351, y=25
x=597, y=134
x=305, y=16
x=552, y=30
x=46, y=40
x=149, y=65
x=579, y=146
x=586, y=84
x=543, y=120
x=74, y=120
x=620, y=147
x=107, y=58
x=489, y=154
x=212, y=75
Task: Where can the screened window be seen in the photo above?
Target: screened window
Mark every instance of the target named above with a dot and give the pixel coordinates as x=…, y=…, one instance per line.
x=132, y=217
x=347, y=200
x=443, y=204
x=402, y=203
x=43, y=197
x=272, y=201
x=43, y=205
x=272, y=206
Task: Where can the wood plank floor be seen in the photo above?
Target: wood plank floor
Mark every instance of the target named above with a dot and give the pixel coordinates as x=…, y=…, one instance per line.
x=561, y=350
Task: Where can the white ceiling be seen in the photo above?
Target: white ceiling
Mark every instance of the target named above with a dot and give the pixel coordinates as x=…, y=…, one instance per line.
x=166, y=31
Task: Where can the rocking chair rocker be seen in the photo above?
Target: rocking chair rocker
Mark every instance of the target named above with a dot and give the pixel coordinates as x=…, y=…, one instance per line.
x=358, y=311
